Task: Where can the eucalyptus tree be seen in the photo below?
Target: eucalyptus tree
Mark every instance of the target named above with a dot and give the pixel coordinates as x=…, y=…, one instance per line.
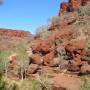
x=23, y=60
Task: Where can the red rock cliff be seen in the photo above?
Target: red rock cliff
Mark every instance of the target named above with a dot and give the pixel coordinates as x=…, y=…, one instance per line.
x=71, y=5
x=14, y=33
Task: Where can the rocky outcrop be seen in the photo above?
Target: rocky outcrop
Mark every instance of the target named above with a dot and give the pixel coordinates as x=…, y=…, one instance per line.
x=72, y=5
x=32, y=69
x=65, y=47
x=10, y=38
x=14, y=33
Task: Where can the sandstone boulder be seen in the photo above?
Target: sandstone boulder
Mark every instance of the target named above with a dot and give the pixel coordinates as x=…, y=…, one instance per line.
x=43, y=46
x=72, y=66
x=85, y=69
x=48, y=58
x=36, y=59
x=32, y=69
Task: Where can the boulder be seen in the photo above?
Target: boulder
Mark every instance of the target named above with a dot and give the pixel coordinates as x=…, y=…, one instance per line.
x=48, y=58
x=43, y=46
x=85, y=69
x=75, y=45
x=77, y=60
x=32, y=69
x=63, y=65
x=55, y=62
x=64, y=35
x=72, y=66
x=36, y=59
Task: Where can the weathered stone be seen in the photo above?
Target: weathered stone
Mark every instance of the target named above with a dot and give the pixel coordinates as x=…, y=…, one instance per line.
x=48, y=58
x=43, y=47
x=14, y=33
x=63, y=65
x=32, y=68
x=72, y=66
x=71, y=6
x=85, y=69
x=55, y=62
x=36, y=59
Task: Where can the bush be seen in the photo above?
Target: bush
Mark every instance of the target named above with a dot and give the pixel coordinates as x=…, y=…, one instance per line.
x=84, y=10
x=55, y=19
x=86, y=84
x=41, y=29
x=4, y=61
x=46, y=35
x=23, y=62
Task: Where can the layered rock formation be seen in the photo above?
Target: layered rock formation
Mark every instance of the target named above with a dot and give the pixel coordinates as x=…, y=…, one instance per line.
x=10, y=38
x=14, y=33
x=72, y=5
x=68, y=40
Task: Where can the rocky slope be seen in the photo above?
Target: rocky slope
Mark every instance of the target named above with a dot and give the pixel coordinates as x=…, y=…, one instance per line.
x=71, y=6
x=67, y=38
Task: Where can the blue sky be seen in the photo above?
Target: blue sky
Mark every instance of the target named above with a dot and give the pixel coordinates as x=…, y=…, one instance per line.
x=27, y=14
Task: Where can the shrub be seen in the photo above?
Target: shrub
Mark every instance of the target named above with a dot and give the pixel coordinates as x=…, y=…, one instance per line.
x=21, y=51
x=45, y=82
x=61, y=53
x=4, y=61
x=86, y=84
x=3, y=84
x=55, y=19
x=84, y=10
x=57, y=41
x=41, y=29
x=46, y=34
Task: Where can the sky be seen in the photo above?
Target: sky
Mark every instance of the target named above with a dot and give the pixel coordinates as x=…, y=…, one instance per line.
x=27, y=15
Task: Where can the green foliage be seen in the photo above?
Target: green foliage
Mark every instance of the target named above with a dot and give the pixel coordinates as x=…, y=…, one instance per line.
x=88, y=44
x=57, y=41
x=41, y=29
x=61, y=53
x=3, y=84
x=81, y=23
x=35, y=85
x=85, y=10
x=43, y=32
x=21, y=51
x=4, y=61
x=86, y=84
x=55, y=19
x=46, y=34
x=46, y=83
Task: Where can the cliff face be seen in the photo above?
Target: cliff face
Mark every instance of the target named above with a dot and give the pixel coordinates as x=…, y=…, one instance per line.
x=14, y=33
x=71, y=5
x=10, y=38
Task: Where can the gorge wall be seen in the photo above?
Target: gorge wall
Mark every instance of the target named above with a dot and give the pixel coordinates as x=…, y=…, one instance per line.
x=71, y=5
x=14, y=33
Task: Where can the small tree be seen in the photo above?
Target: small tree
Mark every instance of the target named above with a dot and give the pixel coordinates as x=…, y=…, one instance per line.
x=23, y=58
x=4, y=61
